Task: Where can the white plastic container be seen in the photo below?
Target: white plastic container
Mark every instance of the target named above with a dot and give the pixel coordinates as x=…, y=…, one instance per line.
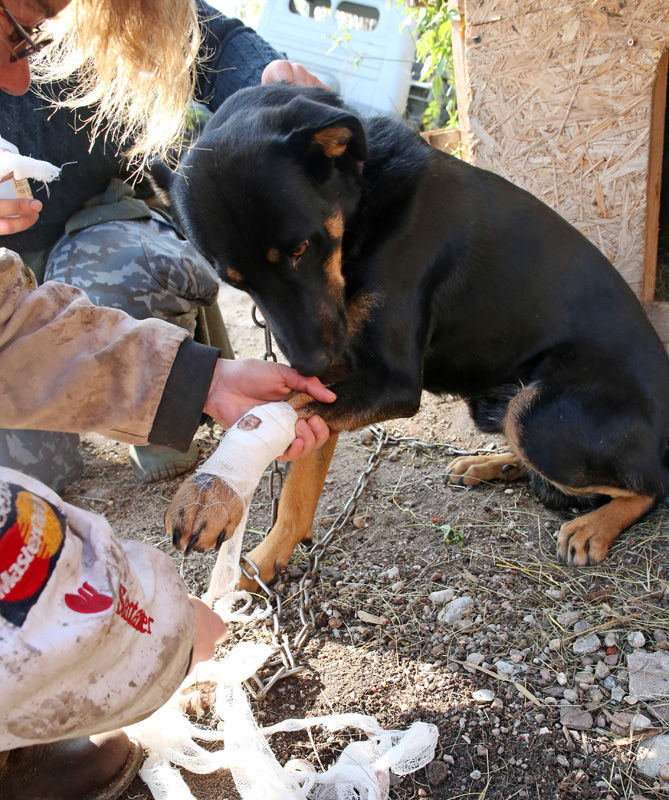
x=370, y=68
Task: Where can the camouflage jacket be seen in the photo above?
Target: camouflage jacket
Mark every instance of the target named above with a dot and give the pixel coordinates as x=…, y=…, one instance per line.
x=67, y=365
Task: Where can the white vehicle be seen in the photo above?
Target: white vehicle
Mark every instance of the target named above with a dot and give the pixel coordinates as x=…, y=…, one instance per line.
x=363, y=50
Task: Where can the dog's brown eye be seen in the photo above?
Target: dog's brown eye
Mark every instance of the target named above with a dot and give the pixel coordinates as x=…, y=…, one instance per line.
x=301, y=249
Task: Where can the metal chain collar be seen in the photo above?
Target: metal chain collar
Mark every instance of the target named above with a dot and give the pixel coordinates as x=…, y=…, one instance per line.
x=282, y=663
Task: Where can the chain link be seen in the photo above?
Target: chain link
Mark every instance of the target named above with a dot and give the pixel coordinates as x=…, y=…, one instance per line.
x=282, y=663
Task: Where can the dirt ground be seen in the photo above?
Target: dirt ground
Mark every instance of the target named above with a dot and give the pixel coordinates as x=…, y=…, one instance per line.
x=553, y=719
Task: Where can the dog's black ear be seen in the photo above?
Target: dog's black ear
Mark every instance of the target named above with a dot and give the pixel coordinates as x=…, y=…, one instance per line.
x=328, y=129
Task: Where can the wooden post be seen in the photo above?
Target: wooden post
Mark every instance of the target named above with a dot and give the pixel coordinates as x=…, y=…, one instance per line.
x=655, y=158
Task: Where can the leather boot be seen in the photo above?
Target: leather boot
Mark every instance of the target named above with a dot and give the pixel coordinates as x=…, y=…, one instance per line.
x=89, y=768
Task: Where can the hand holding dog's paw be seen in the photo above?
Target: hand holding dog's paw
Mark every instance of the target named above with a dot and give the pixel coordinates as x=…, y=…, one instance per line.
x=204, y=512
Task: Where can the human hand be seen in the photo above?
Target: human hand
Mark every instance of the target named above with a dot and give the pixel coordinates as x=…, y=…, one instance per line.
x=209, y=631
x=239, y=385
x=17, y=215
x=290, y=72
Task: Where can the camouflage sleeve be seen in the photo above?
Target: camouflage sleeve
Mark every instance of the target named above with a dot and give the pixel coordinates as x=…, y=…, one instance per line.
x=67, y=365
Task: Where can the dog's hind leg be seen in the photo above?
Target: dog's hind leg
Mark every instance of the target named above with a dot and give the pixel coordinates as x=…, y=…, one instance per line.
x=582, y=443
x=297, y=506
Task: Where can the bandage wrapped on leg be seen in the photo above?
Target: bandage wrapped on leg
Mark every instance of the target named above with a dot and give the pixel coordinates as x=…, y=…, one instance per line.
x=212, y=505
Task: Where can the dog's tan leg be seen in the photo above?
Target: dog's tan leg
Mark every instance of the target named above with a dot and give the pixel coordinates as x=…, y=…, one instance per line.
x=297, y=506
x=472, y=470
x=586, y=539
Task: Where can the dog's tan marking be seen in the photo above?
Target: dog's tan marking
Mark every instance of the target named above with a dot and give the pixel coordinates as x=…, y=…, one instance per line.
x=273, y=255
x=333, y=140
x=359, y=310
x=297, y=506
x=472, y=470
x=586, y=539
x=332, y=267
x=204, y=504
x=234, y=276
x=334, y=225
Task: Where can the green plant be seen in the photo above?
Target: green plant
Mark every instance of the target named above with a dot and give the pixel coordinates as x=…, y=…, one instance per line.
x=434, y=49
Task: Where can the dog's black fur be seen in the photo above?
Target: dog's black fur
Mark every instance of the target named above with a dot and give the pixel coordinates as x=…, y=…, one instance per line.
x=447, y=277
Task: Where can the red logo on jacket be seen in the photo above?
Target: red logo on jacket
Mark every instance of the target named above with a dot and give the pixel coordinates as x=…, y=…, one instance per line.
x=88, y=600
x=130, y=611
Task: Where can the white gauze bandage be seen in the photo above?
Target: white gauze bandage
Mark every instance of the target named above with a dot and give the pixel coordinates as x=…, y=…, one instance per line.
x=250, y=446
x=24, y=166
x=246, y=450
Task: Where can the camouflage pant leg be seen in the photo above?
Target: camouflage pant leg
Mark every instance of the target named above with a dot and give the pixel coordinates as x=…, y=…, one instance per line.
x=49, y=456
x=140, y=266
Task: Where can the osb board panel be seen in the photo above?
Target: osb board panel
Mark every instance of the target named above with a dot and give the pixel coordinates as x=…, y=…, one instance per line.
x=558, y=100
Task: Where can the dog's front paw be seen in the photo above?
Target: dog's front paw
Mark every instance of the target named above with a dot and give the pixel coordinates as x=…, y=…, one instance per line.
x=269, y=559
x=582, y=542
x=203, y=513
x=472, y=470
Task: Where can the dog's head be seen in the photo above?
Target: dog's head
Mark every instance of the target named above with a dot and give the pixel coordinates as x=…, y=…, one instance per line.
x=264, y=195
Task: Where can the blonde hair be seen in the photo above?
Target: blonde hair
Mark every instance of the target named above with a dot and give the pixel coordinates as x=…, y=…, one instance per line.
x=133, y=62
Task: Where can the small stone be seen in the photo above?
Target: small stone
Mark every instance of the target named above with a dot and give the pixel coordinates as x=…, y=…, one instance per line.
x=602, y=671
x=570, y=695
x=561, y=679
x=454, y=610
x=554, y=594
x=640, y=722
x=397, y=586
x=586, y=644
x=581, y=626
x=372, y=619
x=436, y=773
x=366, y=436
x=664, y=772
x=393, y=573
x=335, y=622
x=653, y=755
x=436, y=577
x=481, y=750
x=506, y=669
x=442, y=596
x=611, y=639
x=584, y=679
x=648, y=674
x=636, y=639
x=554, y=644
x=497, y=705
x=483, y=696
x=476, y=775
x=575, y=718
x=569, y=618
x=563, y=761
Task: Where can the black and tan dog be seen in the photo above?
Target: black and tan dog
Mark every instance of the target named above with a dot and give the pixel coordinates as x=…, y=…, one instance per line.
x=370, y=252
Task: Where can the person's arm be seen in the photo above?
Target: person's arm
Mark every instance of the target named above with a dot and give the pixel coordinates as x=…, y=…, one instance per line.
x=67, y=365
x=233, y=56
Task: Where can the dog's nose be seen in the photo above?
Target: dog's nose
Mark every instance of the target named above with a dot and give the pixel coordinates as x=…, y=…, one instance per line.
x=314, y=363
